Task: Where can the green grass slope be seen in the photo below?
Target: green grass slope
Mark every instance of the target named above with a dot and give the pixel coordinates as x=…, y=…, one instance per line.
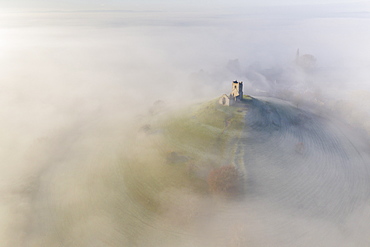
x=179, y=150
x=205, y=132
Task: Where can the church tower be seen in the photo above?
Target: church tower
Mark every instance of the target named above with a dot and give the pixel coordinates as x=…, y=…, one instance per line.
x=237, y=91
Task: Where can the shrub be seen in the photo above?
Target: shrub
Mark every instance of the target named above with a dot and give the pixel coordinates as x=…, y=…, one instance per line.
x=226, y=180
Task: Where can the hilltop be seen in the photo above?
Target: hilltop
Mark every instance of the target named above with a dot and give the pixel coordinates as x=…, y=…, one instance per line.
x=189, y=161
x=180, y=148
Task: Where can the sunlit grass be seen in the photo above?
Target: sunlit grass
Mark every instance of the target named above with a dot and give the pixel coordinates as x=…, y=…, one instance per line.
x=181, y=149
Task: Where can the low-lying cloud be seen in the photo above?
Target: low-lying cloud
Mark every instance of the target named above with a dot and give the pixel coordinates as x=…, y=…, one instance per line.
x=74, y=86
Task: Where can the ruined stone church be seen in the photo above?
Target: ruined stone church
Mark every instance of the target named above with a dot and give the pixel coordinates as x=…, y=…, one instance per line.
x=235, y=95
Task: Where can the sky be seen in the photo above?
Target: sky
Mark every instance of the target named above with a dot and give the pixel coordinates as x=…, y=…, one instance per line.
x=156, y=5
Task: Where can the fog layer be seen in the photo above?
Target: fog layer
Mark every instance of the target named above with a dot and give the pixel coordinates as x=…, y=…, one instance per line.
x=75, y=87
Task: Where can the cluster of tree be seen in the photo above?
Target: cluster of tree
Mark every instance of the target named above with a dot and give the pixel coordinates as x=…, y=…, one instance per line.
x=226, y=180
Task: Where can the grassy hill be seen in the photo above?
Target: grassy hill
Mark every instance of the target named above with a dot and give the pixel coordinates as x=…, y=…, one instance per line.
x=179, y=149
x=205, y=132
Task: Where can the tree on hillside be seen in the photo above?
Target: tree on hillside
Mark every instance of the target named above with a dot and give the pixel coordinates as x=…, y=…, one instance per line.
x=226, y=180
